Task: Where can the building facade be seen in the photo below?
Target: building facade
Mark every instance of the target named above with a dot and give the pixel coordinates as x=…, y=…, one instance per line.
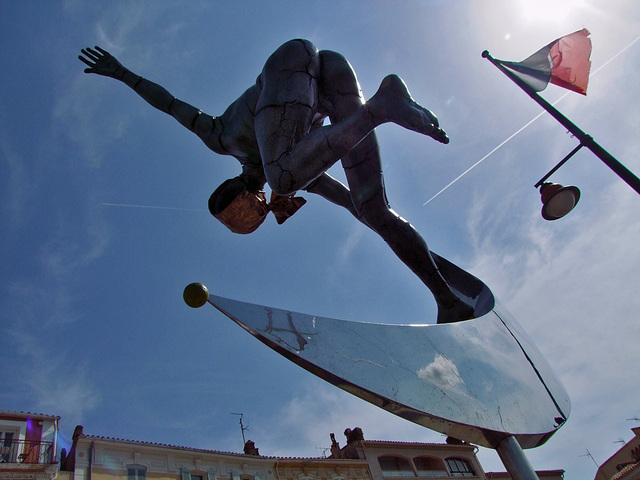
x=28, y=446
x=322, y=469
x=100, y=458
x=392, y=460
x=625, y=463
x=388, y=459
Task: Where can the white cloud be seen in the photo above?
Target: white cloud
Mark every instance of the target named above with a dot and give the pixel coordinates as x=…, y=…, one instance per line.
x=354, y=238
x=15, y=191
x=55, y=382
x=319, y=409
x=442, y=373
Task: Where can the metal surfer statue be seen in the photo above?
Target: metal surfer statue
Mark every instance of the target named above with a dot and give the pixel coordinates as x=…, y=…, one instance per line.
x=277, y=130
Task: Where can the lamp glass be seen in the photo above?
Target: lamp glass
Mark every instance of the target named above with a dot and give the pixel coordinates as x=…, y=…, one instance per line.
x=560, y=203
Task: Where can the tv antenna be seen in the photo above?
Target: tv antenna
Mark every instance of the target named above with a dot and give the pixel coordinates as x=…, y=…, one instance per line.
x=634, y=419
x=324, y=450
x=242, y=427
x=588, y=454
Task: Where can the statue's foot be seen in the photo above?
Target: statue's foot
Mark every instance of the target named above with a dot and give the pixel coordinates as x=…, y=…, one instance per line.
x=457, y=312
x=393, y=103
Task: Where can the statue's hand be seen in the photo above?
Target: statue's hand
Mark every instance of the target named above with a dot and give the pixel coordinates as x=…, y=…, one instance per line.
x=102, y=62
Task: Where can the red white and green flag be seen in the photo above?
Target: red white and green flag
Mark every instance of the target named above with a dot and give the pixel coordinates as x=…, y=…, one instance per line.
x=564, y=62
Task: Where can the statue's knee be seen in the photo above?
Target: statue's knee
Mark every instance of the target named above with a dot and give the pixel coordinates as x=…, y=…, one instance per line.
x=338, y=86
x=297, y=55
x=289, y=76
x=336, y=68
x=281, y=182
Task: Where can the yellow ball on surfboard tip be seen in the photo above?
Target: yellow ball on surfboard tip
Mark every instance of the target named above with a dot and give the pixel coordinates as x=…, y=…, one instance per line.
x=195, y=295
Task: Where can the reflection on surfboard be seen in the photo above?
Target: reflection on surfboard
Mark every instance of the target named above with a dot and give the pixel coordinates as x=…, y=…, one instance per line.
x=478, y=380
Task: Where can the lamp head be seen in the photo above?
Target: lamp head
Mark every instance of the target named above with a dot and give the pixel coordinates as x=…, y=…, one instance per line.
x=557, y=200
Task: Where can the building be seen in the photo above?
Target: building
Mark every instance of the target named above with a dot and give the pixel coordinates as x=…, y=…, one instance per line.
x=28, y=446
x=322, y=469
x=392, y=460
x=408, y=459
x=101, y=458
x=625, y=463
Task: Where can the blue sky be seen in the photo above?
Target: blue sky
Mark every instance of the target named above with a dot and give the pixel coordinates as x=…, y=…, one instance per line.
x=93, y=324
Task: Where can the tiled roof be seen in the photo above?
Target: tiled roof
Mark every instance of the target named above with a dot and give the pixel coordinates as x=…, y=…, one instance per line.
x=415, y=444
x=154, y=444
x=10, y=413
x=625, y=470
x=189, y=449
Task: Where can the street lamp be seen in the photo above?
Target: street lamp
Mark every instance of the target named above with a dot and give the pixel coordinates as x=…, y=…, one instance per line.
x=568, y=195
x=557, y=200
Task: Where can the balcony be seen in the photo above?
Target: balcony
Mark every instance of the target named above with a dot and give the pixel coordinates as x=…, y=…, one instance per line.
x=26, y=452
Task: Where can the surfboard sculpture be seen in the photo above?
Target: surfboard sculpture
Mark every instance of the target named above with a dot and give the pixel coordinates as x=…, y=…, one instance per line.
x=478, y=380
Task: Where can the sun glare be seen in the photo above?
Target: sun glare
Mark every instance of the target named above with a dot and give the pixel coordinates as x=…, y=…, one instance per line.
x=549, y=10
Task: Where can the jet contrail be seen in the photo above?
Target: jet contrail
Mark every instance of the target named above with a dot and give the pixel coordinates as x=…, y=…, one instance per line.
x=151, y=206
x=527, y=124
x=486, y=156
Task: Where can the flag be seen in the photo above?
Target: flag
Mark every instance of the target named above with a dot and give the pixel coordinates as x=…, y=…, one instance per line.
x=564, y=62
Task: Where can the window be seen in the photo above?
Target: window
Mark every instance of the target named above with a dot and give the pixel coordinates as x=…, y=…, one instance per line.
x=7, y=448
x=459, y=467
x=186, y=474
x=430, y=467
x=395, y=467
x=136, y=472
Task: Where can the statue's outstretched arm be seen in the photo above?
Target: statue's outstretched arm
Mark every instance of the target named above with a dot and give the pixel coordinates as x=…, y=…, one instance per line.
x=101, y=62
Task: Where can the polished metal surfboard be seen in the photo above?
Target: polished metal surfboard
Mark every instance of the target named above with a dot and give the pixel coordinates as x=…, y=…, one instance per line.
x=479, y=380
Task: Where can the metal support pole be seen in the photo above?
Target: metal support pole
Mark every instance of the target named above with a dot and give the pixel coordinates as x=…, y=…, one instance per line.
x=562, y=162
x=585, y=140
x=514, y=460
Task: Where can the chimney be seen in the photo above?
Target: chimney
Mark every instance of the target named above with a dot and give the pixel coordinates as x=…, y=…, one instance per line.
x=250, y=448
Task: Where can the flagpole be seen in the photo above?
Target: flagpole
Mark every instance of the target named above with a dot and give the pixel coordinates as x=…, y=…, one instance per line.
x=585, y=140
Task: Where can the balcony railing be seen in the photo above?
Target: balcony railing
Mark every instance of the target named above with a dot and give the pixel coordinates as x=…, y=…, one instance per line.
x=25, y=451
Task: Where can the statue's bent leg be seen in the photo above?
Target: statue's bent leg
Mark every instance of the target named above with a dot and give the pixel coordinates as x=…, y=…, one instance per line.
x=285, y=111
x=340, y=93
x=293, y=153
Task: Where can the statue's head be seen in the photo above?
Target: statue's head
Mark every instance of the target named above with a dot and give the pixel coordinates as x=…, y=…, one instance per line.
x=239, y=209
